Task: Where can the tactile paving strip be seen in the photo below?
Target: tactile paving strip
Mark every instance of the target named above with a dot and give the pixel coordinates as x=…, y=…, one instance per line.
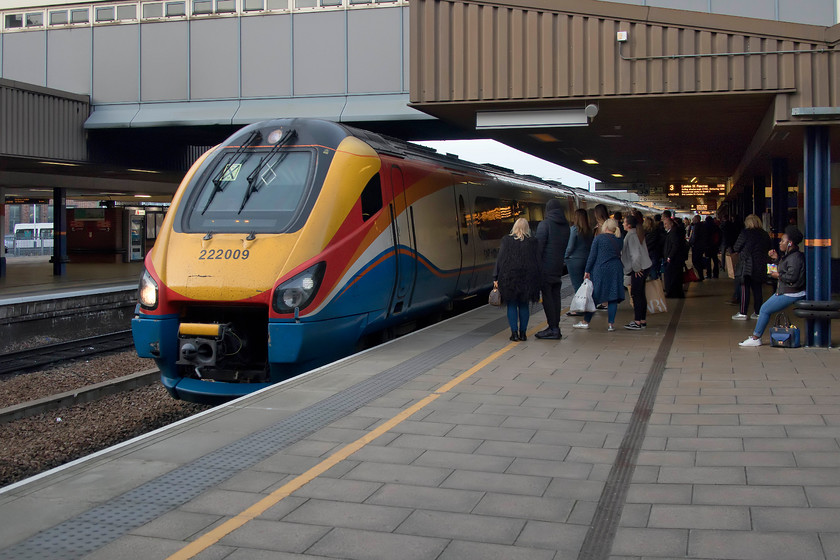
x=101, y=525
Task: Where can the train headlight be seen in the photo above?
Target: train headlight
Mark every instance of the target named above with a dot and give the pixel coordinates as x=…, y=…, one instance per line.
x=148, y=291
x=298, y=291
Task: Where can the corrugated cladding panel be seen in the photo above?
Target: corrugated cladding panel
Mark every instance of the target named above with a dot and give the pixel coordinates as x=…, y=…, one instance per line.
x=39, y=124
x=469, y=51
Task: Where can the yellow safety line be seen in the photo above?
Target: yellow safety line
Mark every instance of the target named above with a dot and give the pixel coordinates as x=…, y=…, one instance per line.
x=209, y=539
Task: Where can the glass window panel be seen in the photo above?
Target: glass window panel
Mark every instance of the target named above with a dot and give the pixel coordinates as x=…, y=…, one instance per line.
x=58, y=17
x=127, y=11
x=175, y=9
x=361, y=1
x=269, y=201
x=202, y=6
x=34, y=19
x=331, y=2
x=252, y=5
x=306, y=3
x=14, y=21
x=225, y=6
x=105, y=14
x=79, y=16
x=153, y=10
x=278, y=4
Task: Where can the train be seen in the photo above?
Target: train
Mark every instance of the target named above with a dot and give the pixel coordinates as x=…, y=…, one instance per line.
x=295, y=239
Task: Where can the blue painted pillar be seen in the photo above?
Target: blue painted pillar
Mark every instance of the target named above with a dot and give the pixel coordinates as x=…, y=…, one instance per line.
x=779, y=198
x=3, y=231
x=59, y=258
x=817, y=160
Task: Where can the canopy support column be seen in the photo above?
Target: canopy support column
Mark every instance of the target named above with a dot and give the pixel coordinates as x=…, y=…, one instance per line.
x=817, y=161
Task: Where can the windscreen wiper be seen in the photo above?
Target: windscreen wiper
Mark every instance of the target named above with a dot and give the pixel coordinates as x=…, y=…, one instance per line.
x=217, y=180
x=252, y=177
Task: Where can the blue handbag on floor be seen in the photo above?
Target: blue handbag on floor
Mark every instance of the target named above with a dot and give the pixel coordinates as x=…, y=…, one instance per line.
x=783, y=334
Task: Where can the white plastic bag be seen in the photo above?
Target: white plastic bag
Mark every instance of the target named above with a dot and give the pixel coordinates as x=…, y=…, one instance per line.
x=582, y=302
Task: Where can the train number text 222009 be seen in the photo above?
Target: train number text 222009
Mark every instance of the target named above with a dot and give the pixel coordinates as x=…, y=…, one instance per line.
x=223, y=254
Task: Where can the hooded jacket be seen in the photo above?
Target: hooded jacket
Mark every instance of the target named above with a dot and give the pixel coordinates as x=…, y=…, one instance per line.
x=552, y=238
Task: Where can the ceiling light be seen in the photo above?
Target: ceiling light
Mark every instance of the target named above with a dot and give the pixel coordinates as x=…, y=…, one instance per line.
x=544, y=137
x=693, y=180
x=142, y=171
x=617, y=175
x=59, y=163
x=142, y=196
x=590, y=161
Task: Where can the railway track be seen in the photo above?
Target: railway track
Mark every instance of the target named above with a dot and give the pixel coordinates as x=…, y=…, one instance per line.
x=32, y=358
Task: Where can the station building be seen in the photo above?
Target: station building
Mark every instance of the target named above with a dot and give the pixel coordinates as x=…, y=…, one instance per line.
x=701, y=105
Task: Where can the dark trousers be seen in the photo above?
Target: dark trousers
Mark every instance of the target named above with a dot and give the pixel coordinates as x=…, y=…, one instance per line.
x=637, y=291
x=713, y=267
x=697, y=262
x=674, y=280
x=755, y=286
x=552, y=303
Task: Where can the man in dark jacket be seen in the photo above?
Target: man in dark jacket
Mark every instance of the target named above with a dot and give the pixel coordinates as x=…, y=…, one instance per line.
x=673, y=253
x=552, y=238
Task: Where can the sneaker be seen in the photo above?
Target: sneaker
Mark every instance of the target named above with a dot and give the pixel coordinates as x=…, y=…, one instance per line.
x=552, y=334
x=580, y=325
x=754, y=316
x=633, y=326
x=644, y=325
x=739, y=317
x=610, y=328
x=601, y=306
x=751, y=342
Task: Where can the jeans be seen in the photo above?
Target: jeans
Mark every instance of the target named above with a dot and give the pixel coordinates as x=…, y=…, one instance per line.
x=576, y=268
x=520, y=309
x=612, y=309
x=774, y=304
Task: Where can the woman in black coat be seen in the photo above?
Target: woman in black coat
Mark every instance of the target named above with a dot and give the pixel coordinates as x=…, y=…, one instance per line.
x=517, y=276
x=752, y=247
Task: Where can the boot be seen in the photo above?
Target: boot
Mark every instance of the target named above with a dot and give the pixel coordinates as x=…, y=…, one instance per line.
x=514, y=336
x=522, y=336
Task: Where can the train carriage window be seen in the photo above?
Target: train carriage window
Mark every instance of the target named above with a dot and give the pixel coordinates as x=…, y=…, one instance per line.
x=278, y=5
x=306, y=3
x=465, y=224
x=225, y=6
x=493, y=217
x=331, y=2
x=371, y=198
x=252, y=5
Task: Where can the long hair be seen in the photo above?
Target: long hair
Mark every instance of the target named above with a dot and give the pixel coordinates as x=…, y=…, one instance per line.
x=752, y=222
x=581, y=221
x=521, y=229
x=649, y=224
x=611, y=225
x=601, y=213
x=640, y=225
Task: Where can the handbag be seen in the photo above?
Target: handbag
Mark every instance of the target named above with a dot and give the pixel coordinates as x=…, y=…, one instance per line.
x=689, y=276
x=731, y=264
x=783, y=334
x=655, y=294
x=582, y=301
x=495, y=298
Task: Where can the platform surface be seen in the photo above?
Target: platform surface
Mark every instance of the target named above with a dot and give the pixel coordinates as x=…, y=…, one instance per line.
x=32, y=279
x=455, y=443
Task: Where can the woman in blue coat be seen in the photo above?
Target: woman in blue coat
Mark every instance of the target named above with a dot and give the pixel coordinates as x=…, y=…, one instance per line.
x=605, y=270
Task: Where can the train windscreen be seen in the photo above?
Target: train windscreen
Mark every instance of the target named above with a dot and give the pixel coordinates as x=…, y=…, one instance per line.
x=252, y=190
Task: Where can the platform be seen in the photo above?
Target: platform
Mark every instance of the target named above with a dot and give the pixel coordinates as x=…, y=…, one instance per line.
x=455, y=443
x=31, y=278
